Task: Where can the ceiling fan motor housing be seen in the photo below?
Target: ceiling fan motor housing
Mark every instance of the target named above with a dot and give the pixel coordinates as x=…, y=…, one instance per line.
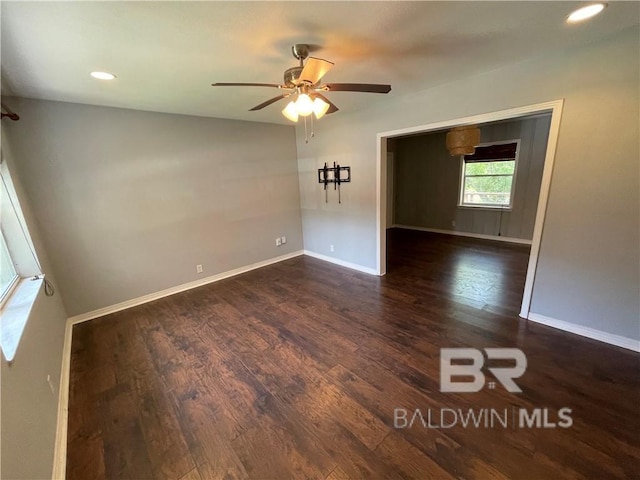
x=291, y=76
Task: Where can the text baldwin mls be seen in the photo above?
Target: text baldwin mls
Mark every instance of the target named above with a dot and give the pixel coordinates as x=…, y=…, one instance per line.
x=482, y=418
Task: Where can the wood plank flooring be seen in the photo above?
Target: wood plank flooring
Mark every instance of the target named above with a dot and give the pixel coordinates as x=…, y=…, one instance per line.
x=295, y=370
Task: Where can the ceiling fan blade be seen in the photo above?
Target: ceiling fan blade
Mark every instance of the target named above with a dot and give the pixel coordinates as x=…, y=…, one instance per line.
x=332, y=107
x=358, y=87
x=275, y=85
x=314, y=70
x=268, y=102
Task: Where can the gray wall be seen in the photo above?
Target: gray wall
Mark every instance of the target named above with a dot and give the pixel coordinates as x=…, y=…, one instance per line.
x=29, y=408
x=427, y=182
x=588, y=265
x=129, y=202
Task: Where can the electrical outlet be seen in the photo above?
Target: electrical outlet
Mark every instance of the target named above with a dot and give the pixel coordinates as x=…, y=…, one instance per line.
x=198, y=268
x=331, y=248
x=283, y=239
x=453, y=223
x=278, y=242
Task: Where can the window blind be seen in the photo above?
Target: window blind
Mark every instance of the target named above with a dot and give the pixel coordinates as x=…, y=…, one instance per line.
x=493, y=153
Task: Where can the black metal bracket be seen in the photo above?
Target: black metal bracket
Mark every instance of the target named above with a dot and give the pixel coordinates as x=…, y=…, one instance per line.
x=336, y=175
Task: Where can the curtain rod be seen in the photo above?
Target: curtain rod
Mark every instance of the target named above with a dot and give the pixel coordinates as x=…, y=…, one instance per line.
x=9, y=113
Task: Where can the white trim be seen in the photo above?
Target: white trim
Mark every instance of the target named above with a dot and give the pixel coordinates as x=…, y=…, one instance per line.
x=180, y=288
x=60, y=452
x=342, y=263
x=381, y=205
x=4, y=297
x=545, y=185
x=610, y=338
x=555, y=107
x=489, y=208
x=390, y=186
x=510, y=113
x=522, y=241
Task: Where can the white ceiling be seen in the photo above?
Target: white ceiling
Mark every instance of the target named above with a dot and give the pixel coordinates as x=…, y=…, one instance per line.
x=166, y=54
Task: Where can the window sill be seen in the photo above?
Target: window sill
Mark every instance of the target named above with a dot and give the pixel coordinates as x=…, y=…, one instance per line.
x=486, y=207
x=15, y=314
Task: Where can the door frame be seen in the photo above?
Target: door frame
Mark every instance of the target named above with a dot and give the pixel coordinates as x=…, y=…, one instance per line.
x=554, y=107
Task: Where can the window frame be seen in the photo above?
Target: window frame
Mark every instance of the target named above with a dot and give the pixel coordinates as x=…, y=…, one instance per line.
x=18, y=300
x=492, y=207
x=6, y=294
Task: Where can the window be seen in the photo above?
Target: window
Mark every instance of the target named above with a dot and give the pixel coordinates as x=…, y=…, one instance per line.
x=8, y=275
x=21, y=277
x=487, y=178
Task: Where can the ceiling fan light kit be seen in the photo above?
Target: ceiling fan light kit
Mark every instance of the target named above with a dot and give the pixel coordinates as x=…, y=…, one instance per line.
x=463, y=140
x=305, y=106
x=302, y=82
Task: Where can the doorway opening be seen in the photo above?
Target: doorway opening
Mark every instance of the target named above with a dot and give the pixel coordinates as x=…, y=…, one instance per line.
x=462, y=197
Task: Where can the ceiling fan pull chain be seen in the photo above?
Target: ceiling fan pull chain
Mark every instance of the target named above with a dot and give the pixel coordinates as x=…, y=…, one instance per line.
x=306, y=137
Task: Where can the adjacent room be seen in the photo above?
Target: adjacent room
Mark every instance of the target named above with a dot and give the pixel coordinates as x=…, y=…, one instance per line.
x=325, y=240
x=442, y=197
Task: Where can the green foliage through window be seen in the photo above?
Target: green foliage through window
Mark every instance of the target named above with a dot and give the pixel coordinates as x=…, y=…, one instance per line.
x=488, y=183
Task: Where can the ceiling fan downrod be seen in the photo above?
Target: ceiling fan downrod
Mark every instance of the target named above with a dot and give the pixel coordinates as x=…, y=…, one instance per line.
x=300, y=51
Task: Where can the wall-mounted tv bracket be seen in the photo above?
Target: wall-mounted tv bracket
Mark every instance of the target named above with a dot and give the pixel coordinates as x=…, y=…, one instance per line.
x=336, y=175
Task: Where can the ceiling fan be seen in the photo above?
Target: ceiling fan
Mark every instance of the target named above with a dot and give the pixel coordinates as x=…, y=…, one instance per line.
x=303, y=84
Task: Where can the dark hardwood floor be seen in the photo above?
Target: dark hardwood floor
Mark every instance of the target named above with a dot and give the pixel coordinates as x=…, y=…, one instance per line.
x=295, y=371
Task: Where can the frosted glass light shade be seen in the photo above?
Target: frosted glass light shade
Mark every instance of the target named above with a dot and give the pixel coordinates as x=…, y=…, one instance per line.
x=304, y=105
x=291, y=112
x=320, y=107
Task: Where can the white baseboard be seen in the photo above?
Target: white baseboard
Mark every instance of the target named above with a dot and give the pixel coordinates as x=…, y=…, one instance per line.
x=342, y=263
x=466, y=234
x=610, y=338
x=60, y=451
x=180, y=288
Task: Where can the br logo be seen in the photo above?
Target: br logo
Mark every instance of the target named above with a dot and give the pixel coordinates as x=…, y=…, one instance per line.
x=504, y=375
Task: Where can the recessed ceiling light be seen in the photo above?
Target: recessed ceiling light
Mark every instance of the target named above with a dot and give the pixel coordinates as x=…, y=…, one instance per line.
x=103, y=75
x=586, y=12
